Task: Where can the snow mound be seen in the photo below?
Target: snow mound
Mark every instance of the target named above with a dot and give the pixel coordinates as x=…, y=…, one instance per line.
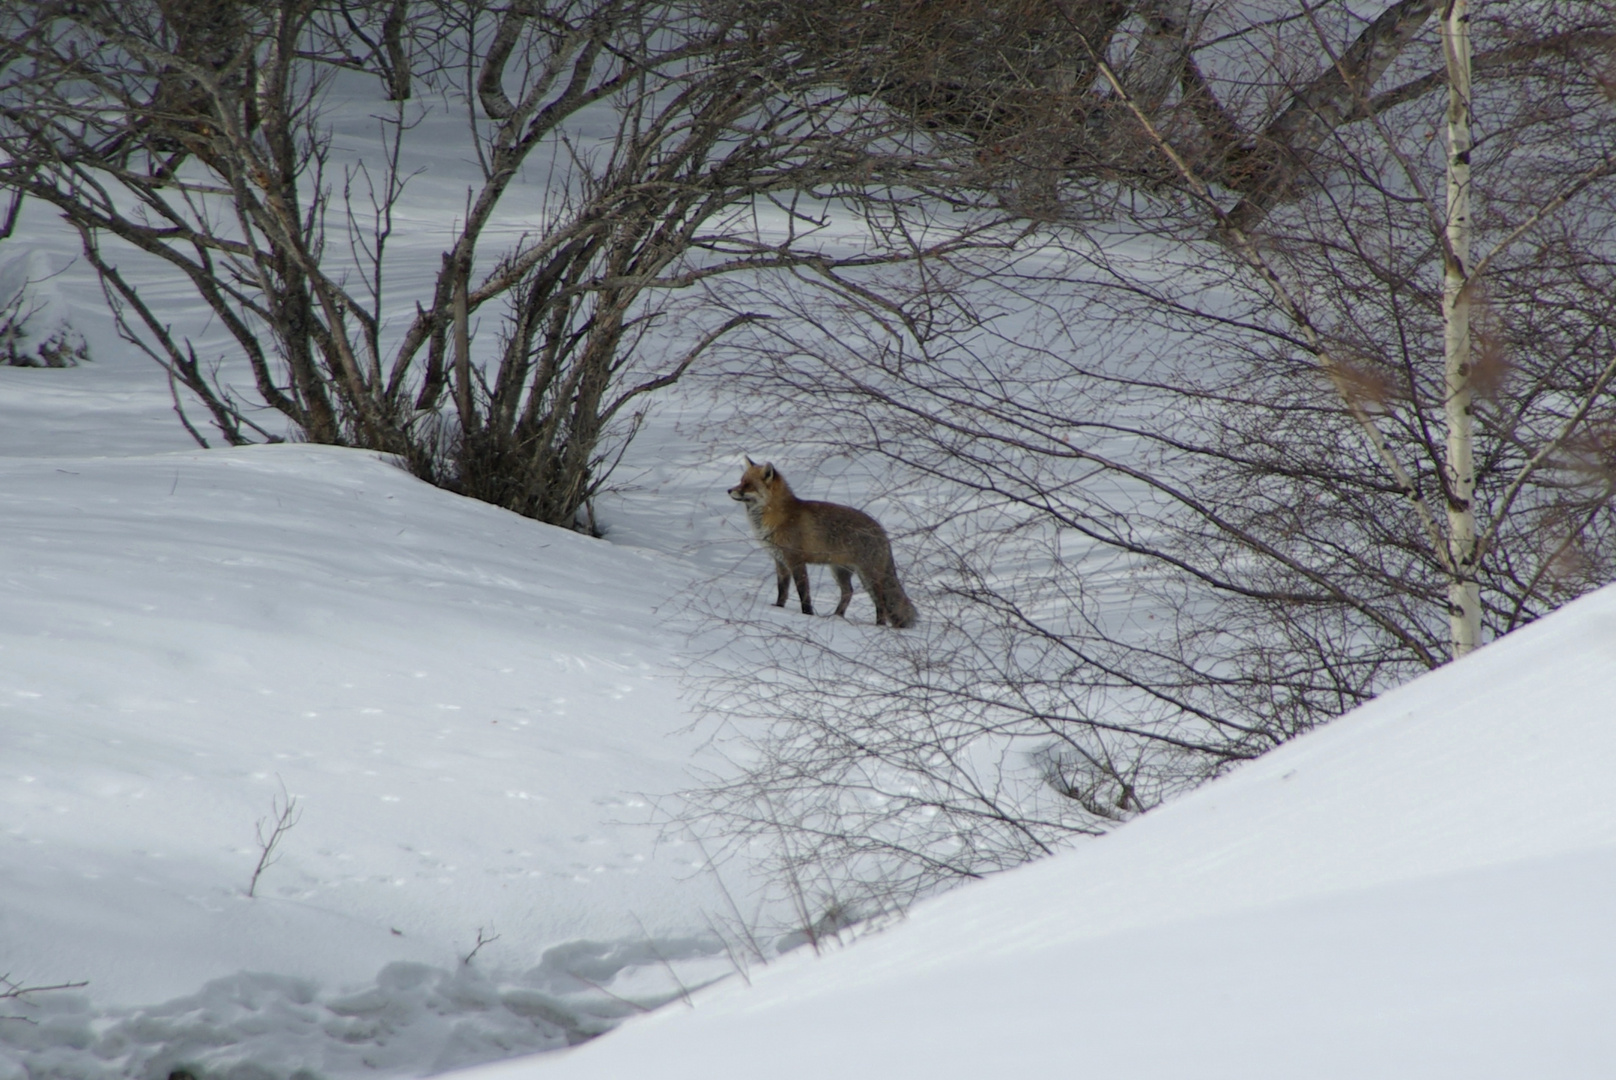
x=414, y=1020
x=472, y=711
x=1422, y=889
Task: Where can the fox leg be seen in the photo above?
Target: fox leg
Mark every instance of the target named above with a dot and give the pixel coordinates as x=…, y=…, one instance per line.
x=799, y=574
x=844, y=578
x=878, y=595
x=782, y=578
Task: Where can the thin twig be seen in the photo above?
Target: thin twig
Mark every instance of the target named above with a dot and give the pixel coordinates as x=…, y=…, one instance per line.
x=283, y=809
x=11, y=990
x=482, y=940
x=684, y=991
x=14, y=990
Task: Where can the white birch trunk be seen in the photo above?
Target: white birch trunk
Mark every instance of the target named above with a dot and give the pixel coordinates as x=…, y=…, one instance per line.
x=1464, y=594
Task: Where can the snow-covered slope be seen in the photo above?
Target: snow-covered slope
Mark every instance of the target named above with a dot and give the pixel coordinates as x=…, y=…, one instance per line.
x=1423, y=889
x=470, y=708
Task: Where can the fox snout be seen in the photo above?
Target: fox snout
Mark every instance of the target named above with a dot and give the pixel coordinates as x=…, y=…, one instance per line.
x=755, y=484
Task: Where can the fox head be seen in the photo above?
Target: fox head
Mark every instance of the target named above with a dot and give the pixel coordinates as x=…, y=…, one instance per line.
x=756, y=484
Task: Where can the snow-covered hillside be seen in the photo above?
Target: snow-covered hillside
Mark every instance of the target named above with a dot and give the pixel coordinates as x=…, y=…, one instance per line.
x=471, y=709
x=475, y=715
x=1423, y=889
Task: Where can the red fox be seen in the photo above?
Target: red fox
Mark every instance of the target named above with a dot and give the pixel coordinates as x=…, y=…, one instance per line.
x=797, y=532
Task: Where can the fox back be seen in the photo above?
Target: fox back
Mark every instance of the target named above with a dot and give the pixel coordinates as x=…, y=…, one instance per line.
x=799, y=532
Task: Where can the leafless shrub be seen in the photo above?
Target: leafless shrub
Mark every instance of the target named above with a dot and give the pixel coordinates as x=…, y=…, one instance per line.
x=1179, y=477
x=21, y=344
x=200, y=139
x=283, y=814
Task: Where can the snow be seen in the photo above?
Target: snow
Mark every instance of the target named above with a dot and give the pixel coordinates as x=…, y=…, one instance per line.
x=1421, y=889
x=476, y=713
x=472, y=711
x=36, y=324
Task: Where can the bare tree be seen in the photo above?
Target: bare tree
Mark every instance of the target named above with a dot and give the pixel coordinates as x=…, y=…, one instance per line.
x=1241, y=438
x=200, y=139
x=1338, y=243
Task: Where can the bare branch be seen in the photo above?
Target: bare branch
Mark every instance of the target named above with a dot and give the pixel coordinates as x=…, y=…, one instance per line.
x=283, y=814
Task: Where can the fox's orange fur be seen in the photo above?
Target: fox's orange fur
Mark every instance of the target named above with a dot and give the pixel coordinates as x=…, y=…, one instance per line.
x=797, y=532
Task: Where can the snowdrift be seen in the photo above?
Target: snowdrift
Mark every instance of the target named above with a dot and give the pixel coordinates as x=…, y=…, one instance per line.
x=1422, y=889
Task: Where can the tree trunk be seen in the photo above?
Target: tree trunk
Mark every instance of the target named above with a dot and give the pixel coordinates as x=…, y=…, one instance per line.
x=462, y=357
x=1464, y=599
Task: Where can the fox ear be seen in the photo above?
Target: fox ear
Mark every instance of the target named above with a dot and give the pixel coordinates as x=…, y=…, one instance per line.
x=768, y=471
x=750, y=464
